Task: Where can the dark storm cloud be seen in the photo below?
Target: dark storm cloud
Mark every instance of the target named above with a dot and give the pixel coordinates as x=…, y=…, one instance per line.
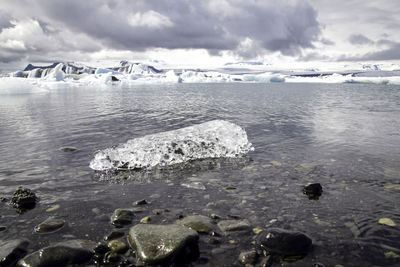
x=244, y=27
x=359, y=39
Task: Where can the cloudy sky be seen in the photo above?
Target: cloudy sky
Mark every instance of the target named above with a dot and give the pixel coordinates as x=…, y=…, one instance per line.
x=198, y=32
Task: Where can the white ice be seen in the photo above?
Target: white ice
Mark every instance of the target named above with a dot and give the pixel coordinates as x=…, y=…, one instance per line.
x=213, y=139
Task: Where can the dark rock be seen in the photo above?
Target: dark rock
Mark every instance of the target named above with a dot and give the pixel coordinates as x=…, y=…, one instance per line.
x=11, y=251
x=114, y=235
x=114, y=79
x=68, y=149
x=283, y=242
x=63, y=254
x=313, y=191
x=49, y=225
x=234, y=225
x=248, y=257
x=111, y=257
x=101, y=249
x=141, y=202
x=122, y=217
x=23, y=199
x=160, y=244
x=2, y=228
x=3, y=199
x=199, y=223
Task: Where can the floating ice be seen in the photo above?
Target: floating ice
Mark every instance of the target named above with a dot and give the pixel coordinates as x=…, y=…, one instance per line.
x=214, y=139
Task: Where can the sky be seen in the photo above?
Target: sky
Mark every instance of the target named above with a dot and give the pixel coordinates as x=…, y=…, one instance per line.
x=205, y=32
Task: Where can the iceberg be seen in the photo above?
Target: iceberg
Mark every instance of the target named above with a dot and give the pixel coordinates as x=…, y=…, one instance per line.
x=128, y=74
x=213, y=139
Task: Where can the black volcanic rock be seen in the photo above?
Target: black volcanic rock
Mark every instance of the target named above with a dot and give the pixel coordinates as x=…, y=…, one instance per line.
x=283, y=242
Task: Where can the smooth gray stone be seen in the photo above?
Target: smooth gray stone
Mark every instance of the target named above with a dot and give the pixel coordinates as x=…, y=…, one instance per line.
x=49, y=225
x=155, y=244
x=62, y=254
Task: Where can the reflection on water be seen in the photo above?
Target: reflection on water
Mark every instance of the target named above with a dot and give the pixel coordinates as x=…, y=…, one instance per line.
x=346, y=137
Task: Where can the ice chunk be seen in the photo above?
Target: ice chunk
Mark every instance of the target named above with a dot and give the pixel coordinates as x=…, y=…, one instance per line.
x=56, y=74
x=214, y=139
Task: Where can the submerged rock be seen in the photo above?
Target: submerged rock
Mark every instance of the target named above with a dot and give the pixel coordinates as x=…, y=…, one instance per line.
x=68, y=149
x=199, y=223
x=283, y=242
x=49, y=225
x=214, y=139
x=141, y=202
x=157, y=244
x=23, y=199
x=313, y=191
x=11, y=251
x=194, y=185
x=234, y=225
x=63, y=254
x=122, y=217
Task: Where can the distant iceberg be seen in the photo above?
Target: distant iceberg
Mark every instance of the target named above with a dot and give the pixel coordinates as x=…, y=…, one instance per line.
x=131, y=73
x=214, y=139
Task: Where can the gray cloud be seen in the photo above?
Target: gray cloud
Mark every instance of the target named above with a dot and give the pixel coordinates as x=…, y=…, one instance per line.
x=247, y=28
x=391, y=53
x=359, y=39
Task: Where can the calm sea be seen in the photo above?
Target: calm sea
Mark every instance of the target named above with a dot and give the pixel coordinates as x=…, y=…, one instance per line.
x=344, y=136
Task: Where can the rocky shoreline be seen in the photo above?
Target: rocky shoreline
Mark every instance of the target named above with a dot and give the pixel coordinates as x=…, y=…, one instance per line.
x=145, y=243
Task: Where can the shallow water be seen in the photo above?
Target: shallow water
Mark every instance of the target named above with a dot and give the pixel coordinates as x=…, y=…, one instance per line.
x=344, y=136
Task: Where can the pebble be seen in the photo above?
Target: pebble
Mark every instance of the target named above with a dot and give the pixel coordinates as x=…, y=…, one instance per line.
x=49, y=225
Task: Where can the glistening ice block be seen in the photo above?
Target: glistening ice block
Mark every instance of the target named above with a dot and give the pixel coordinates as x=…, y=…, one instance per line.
x=214, y=139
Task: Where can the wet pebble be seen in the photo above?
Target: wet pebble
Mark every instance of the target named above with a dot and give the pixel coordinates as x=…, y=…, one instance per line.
x=117, y=246
x=53, y=208
x=122, y=217
x=49, y=225
x=146, y=219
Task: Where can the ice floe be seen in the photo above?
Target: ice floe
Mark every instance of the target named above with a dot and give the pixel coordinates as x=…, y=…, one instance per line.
x=213, y=139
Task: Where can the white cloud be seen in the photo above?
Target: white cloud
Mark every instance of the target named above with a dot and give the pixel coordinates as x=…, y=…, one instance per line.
x=14, y=45
x=150, y=19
